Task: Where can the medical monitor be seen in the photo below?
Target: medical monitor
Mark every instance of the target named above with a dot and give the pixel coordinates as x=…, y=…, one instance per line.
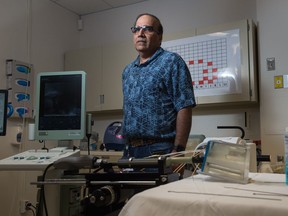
x=3, y=111
x=60, y=105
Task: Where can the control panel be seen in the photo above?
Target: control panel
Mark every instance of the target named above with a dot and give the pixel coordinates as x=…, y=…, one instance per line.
x=36, y=159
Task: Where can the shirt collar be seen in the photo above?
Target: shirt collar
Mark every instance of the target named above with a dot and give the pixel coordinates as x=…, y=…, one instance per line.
x=154, y=56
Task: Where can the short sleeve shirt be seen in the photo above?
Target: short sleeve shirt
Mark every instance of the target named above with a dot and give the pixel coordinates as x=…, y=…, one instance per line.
x=153, y=94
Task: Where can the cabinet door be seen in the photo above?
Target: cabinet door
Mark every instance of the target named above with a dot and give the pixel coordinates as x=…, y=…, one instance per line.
x=90, y=61
x=115, y=58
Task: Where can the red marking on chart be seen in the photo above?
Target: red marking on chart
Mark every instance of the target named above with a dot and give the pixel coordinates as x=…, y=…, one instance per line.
x=205, y=60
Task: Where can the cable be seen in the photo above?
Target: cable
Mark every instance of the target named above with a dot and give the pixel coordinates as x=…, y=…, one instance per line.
x=33, y=209
x=44, y=145
x=42, y=199
x=31, y=205
x=233, y=127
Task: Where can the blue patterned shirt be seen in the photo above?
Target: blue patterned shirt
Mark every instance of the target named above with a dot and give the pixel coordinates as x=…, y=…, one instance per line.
x=153, y=94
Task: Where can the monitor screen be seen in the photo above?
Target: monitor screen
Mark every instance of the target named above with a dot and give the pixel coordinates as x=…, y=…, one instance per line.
x=3, y=111
x=60, y=105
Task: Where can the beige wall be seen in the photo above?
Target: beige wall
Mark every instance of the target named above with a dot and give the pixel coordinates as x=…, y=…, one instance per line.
x=38, y=32
x=272, y=21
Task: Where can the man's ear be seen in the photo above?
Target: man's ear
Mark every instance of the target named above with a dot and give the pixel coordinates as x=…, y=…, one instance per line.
x=160, y=38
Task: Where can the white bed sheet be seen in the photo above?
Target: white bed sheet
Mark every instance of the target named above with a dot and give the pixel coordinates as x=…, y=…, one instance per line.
x=201, y=195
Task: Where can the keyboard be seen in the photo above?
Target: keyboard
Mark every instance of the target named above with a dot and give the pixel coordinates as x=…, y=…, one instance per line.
x=36, y=159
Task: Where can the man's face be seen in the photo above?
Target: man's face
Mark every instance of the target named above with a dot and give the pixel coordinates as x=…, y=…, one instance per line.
x=147, y=42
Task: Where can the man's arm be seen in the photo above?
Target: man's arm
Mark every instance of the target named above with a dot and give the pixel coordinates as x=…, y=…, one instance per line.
x=183, y=127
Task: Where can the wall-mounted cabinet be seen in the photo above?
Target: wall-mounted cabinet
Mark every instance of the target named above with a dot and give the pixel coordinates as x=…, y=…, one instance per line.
x=104, y=66
x=115, y=58
x=90, y=61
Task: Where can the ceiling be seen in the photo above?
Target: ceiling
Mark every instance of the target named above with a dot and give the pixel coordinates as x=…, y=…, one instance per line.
x=84, y=7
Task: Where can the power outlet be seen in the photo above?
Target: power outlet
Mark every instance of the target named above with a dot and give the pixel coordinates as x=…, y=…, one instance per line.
x=23, y=205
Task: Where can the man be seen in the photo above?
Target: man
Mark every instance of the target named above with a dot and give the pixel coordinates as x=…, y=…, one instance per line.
x=158, y=95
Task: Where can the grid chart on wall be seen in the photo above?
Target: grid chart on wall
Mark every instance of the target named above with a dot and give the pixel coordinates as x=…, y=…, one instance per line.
x=205, y=59
x=213, y=61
